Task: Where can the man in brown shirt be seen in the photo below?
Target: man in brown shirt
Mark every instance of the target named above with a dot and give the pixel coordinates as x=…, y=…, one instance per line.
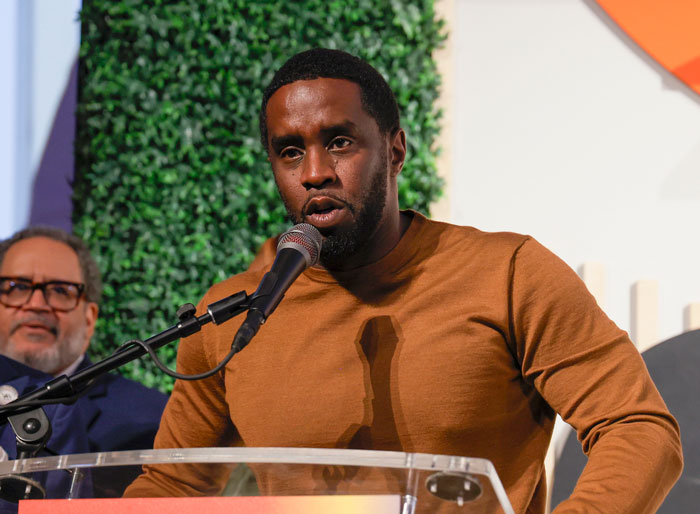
x=413, y=335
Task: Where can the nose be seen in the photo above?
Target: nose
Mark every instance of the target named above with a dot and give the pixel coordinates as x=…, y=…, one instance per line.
x=37, y=301
x=319, y=169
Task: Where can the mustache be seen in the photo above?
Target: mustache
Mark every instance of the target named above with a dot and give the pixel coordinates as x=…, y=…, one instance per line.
x=46, y=321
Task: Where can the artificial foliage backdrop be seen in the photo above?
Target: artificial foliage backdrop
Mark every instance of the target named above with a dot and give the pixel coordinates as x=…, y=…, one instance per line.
x=172, y=189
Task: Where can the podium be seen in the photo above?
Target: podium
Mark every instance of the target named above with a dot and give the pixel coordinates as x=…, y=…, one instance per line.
x=418, y=483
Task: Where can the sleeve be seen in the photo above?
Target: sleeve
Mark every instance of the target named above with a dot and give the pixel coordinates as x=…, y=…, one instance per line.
x=589, y=371
x=196, y=415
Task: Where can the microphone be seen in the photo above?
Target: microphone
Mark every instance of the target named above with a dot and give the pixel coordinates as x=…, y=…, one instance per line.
x=297, y=249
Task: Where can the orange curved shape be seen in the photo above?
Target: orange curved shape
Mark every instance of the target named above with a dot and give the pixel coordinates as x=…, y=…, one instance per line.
x=669, y=31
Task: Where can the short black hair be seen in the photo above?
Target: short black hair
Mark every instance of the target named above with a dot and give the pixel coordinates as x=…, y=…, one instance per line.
x=88, y=266
x=376, y=95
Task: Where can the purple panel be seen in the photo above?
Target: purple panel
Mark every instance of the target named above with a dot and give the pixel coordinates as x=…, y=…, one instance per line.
x=52, y=202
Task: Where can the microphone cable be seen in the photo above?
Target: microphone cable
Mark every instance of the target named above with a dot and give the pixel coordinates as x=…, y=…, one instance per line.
x=297, y=249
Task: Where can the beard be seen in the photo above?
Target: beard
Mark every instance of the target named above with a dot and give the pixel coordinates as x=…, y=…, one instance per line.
x=51, y=359
x=343, y=242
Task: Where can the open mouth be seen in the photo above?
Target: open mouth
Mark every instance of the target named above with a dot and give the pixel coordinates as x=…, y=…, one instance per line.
x=324, y=211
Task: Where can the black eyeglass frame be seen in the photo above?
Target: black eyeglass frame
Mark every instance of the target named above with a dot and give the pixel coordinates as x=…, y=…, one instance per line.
x=33, y=286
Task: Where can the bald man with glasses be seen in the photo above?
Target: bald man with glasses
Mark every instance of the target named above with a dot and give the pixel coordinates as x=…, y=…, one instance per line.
x=49, y=295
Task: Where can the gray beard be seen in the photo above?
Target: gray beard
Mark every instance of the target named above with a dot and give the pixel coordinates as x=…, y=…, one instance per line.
x=53, y=359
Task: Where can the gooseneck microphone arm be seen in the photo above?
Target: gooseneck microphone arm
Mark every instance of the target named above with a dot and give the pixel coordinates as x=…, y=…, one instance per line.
x=298, y=248
x=65, y=390
x=29, y=421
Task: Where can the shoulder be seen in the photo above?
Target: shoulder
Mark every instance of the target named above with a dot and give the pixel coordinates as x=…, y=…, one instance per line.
x=265, y=256
x=461, y=239
x=10, y=369
x=17, y=379
x=203, y=349
x=247, y=280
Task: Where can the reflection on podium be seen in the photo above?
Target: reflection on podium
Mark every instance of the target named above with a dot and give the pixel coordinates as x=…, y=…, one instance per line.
x=413, y=483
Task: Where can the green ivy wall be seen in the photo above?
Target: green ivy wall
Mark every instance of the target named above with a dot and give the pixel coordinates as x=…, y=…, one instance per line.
x=173, y=191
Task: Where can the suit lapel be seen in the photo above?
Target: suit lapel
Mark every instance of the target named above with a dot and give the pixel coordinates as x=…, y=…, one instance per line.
x=19, y=376
x=90, y=408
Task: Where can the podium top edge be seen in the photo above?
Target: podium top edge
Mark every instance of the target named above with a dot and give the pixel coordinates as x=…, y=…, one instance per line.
x=320, y=456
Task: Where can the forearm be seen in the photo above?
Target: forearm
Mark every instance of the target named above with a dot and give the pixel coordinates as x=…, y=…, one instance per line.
x=196, y=416
x=631, y=468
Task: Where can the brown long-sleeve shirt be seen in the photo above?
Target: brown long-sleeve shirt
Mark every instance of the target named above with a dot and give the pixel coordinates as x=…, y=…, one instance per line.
x=457, y=342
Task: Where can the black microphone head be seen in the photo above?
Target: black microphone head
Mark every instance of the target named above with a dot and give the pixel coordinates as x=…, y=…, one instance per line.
x=304, y=238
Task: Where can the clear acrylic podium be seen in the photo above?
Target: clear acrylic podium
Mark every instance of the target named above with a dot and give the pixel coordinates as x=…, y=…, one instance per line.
x=425, y=483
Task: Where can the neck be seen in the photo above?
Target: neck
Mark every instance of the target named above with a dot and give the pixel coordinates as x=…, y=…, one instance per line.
x=72, y=368
x=386, y=236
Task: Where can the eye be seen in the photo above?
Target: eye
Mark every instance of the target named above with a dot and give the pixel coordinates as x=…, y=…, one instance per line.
x=339, y=143
x=61, y=289
x=18, y=286
x=290, y=153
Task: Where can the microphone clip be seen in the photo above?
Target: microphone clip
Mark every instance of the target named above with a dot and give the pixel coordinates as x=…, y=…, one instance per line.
x=32, y=429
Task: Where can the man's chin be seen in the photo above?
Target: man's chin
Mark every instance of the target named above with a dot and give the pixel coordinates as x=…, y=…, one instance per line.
x=47, y=361
x=327, y=232
x=42, y=356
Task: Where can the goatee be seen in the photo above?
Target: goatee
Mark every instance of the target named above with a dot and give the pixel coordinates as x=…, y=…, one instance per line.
x=342, y=243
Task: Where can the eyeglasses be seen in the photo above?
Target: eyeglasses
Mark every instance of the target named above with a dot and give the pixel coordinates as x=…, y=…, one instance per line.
x=59, y=295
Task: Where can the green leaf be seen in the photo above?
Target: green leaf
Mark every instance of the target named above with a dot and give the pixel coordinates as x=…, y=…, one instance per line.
x=172, y=190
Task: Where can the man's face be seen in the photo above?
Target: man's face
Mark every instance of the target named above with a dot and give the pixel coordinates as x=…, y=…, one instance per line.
x=333, y=166
x=34, y=333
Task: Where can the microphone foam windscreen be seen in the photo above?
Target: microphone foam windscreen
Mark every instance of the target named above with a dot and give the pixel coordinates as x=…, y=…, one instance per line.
x=303, y=235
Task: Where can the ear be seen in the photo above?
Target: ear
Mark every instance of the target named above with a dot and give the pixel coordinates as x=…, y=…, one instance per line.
x=91, y=312
x=397, y=151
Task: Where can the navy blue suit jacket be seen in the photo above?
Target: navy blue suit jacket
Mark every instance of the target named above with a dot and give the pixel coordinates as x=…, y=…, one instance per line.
x=120, y=414
x=69, y=434
x=115, y=414
x=68, y=431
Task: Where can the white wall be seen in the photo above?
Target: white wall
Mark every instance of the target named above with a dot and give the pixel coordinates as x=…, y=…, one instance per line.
x=565, y=130
x=40, y=40
x=57, y=39
x=8, y=65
